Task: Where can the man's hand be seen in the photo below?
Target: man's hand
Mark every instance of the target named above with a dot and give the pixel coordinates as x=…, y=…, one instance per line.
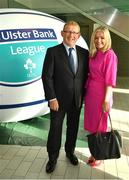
x=54, y=105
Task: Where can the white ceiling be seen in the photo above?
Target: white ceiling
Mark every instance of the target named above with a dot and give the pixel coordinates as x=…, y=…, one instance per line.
x=97, y=10
x=63, y=6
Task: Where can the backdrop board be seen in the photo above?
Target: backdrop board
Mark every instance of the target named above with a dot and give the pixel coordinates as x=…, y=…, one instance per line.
x=25, y=36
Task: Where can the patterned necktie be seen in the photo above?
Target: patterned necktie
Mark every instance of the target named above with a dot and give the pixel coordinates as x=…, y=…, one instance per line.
x=71, y=60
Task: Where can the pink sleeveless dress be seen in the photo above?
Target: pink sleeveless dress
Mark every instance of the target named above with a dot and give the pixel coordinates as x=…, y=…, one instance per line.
x=103, y=72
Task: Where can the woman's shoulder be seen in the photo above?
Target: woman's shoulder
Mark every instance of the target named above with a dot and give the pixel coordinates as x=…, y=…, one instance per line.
x=110, y=51
x=111, y=56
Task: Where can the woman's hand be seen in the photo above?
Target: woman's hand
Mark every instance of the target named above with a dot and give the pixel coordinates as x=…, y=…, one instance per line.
x=106, y=106
x=106, y=103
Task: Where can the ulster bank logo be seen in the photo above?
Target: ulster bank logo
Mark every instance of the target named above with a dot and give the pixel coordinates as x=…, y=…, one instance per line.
x=26, y=34
x=23, y=52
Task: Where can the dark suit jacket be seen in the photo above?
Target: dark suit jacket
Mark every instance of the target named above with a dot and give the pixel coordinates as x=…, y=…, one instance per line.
x=58, y=80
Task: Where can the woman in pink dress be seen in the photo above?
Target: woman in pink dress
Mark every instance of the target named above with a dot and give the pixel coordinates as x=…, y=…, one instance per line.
x=102, y=79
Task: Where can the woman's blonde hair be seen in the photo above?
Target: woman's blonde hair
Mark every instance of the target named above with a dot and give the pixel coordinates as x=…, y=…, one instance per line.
x=107, y=36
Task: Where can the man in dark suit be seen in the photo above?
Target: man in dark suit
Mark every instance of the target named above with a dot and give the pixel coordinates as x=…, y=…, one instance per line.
x=64, y=90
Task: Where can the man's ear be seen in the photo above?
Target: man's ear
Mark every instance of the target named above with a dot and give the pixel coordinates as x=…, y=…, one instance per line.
x=79, y=35
x=62, y=33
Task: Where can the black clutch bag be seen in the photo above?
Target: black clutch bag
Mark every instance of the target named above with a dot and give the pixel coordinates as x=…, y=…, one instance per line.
x=105, y=145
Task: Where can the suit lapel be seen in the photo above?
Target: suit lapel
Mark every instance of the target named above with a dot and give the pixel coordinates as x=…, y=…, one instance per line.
x=78, y=58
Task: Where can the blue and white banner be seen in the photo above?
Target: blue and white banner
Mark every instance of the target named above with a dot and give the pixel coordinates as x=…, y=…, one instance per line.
x=25, y=36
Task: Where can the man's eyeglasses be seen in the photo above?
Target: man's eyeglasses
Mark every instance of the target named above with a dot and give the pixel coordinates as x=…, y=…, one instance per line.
x=71, y=32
